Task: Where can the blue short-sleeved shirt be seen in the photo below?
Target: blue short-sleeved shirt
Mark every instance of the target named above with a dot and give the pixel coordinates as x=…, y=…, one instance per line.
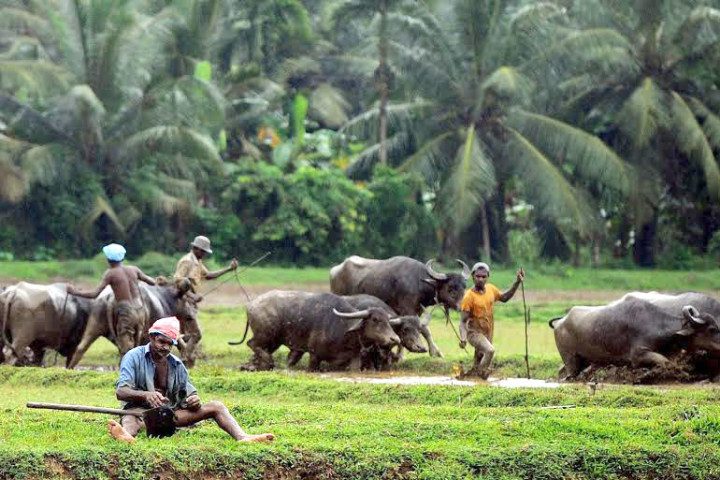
x=137, y=371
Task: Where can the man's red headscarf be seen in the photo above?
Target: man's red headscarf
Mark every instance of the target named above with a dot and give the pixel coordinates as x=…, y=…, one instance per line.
x=168, y=326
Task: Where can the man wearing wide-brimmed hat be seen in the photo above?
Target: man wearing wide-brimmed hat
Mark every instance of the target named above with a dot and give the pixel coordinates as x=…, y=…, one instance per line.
x=189, y=274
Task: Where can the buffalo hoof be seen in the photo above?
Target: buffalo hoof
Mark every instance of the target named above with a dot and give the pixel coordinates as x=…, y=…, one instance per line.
x=436, y=353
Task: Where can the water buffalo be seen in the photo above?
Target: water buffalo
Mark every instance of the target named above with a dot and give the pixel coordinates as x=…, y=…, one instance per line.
x=408, y=328
x=323, y=324
x=40, y=317
x=640, y=329
x=405, y=284
x=159, y=301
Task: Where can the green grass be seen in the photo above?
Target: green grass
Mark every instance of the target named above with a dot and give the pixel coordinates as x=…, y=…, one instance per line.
x=336, y=430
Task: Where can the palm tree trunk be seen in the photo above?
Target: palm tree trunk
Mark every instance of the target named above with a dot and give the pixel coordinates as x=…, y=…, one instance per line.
x=382, y=83
x=485, y=233
x=645, y=244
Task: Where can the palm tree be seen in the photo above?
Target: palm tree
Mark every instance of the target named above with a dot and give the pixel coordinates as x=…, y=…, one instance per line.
x=474, y=131
x=368, y=9
x=142, y=128
x=640, y=73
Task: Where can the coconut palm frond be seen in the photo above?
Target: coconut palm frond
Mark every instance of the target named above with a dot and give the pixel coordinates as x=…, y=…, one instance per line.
x=351, y=65
x=80, y=113
x=431, y=158
x=710, y=122
x=168, y=140
x=40, y=163
x=528, y=17
x=701, y=28
x=691, y=139
x=643, y=113
x=431, y=70
x=21, y=21
x=101, y=206
x=36, y=77
x=471, y=182
x=548, y=190
x=606, y=47
x=399, y=118
x=508, y=85
x=27, y=123
x=328, y=105
x=362, y=165
x=593, y=159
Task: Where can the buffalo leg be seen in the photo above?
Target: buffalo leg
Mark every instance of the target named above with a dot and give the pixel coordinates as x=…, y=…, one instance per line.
x=93, y=331
x=190, y=330
x=651, y=359
x=294, y=357
x=432, y=348
x=263, y=358
x=572, y=365
x=314, y=364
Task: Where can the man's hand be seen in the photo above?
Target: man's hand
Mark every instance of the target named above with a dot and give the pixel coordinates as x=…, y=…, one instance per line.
x=193, y=402
x=463, y=343
x=70, y=289
x=233, y=264
x=155, y=399
x=520, y=276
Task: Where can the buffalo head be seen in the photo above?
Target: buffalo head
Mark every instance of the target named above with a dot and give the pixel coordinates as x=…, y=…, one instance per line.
x=701, y=331
x=374, y=324
x=408, y=328
x=449, y=287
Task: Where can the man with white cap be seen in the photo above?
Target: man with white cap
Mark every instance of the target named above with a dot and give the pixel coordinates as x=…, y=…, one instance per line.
x=130, y=315
x=151, y=377
x=189, y=274
x=477, y=321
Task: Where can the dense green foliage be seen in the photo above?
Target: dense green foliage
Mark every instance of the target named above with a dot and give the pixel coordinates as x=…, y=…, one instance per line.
x=588, y=128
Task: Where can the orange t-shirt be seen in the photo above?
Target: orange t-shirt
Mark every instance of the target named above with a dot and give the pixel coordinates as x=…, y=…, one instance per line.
x=480, y=307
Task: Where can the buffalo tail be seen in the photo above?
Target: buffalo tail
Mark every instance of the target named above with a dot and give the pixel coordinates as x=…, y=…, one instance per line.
x=247, y=327
x=551, y=322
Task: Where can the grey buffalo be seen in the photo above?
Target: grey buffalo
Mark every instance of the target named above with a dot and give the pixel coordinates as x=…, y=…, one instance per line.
x=159, y=301
x=405, y=284
x=640, y=329
x=408, y=328
x=39, y=317
x=324, y=325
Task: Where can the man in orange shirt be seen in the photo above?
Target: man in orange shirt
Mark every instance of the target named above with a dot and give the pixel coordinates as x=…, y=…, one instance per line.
x=477, y=322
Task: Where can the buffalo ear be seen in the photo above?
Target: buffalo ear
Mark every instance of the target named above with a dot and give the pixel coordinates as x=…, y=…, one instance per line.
x=430, y=281
x=355, y=325
x=685, y=332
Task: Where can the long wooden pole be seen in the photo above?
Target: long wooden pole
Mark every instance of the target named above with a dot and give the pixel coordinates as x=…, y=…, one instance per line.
x=526, y=314
x=82, y=408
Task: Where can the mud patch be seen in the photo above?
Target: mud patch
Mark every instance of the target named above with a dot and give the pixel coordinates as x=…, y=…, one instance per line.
x=681, y=369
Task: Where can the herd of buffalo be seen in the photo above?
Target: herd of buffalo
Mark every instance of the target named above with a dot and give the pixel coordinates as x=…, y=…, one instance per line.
x=375, y=311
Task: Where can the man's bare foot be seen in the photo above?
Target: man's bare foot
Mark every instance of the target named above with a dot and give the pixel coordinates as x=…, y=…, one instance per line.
x=263, y=437
x=119, y=433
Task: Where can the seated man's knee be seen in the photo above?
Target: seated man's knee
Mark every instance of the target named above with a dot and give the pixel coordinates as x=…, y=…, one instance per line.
x=216, y=406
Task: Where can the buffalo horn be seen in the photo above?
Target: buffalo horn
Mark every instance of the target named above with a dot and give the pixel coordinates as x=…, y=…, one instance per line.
x=466, y=269
x=358, y=314
x=433, y=273
x=692, y=314
x=425, y=319
x=395, y=322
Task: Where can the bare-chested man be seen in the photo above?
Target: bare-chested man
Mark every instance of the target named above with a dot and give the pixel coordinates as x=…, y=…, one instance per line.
x=130, y=315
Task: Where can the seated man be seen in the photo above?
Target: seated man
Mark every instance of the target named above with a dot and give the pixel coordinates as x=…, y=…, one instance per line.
x=151, y=377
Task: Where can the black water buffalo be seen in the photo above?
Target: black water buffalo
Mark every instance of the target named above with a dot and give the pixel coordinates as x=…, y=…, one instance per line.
x=405, y=284
x=39, y=317
x=640, y=329
x=158, y=301
x=408, y=328
x=322, y=324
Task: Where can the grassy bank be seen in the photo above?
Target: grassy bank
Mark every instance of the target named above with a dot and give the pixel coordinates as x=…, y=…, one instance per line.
x=335, y=430
x=547, y=277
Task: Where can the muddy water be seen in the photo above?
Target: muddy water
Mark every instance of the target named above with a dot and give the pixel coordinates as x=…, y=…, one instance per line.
x=440, y=380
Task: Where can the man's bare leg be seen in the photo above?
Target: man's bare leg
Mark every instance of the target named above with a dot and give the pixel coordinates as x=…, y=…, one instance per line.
x=220, y=413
